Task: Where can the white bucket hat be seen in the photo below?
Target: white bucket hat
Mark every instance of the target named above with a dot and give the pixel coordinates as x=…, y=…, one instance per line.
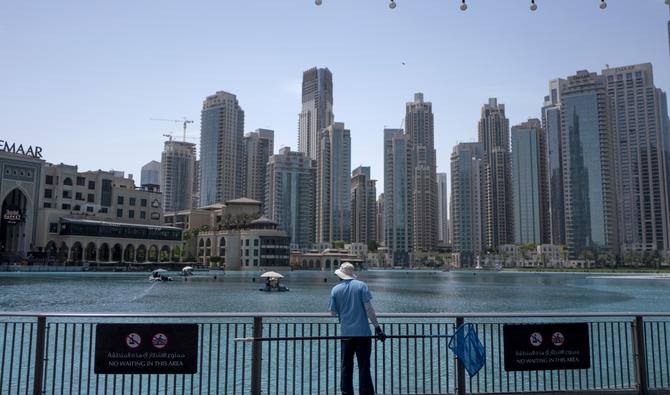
x=346, y=271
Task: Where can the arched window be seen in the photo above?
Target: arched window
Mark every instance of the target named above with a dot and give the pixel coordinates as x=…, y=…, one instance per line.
x=67, y=181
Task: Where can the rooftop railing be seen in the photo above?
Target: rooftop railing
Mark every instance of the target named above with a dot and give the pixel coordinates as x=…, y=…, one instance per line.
x=53, y=353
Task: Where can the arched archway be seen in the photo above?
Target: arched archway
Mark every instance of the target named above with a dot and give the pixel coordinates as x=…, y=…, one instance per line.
x=141, y=254
x=15, y=207
x=129, y=253
x=153, y=253
x=311, y=263
x=63, y=253
x=208, y=247
x=103, y=253
x=76, y=252
x=165, y=254
x=51, y=250
x=117, y=253
x=327, y=264
x=90, y=252
x=176, y=253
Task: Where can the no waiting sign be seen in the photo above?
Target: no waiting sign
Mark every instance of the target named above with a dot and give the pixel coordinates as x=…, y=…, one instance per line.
x=146, y=348
x=546, y=346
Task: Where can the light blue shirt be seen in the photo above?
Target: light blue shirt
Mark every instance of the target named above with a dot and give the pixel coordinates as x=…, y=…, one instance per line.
x=347, y=299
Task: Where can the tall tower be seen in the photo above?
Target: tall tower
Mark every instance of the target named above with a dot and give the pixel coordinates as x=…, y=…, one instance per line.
x=317, y=109
x=419, y=128
x=498, y=210
x=363, y=206
x=588, y=167
x=443, y=209
x=258, y=146
x=380, y=219
x=467, y=166
x=221, y=132
x=177, y=171
x=398, y=223
x=642, y=185
x=290, y=196
x=551, y=123
x=333, y=184
x=528, y=184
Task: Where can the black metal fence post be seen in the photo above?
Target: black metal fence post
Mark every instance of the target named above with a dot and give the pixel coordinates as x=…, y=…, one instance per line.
x=256, y=356
x=460, y=369
x=640, y=355
x=39, y=354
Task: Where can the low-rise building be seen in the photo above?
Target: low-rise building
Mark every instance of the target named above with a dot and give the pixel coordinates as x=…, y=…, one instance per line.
x=254, y=246
x=326, y=260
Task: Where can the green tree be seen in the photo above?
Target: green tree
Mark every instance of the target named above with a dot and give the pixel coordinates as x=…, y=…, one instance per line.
x=373, y=245
x=339, y=244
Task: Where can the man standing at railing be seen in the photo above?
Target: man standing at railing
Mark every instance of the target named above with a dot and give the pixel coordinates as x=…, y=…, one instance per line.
x=350, y=301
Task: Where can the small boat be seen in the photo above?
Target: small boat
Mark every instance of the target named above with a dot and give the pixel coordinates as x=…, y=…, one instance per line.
x=272, y=282
x=187, y=271
x=159, y=275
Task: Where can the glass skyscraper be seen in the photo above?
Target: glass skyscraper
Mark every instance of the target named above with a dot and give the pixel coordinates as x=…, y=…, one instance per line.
x=290, y=195
x=398, y=225
x=551, y=122
x=588, y=168
x=333, y=185
x=527, y=182
x=317, y=109
x=641, y=172
x=467, y=236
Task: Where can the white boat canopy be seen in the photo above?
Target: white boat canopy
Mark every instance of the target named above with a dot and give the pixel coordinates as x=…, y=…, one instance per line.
x=272, y=275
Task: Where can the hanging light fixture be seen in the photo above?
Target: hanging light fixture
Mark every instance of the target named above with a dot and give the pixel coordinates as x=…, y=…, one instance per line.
x=392, y=4
x=533, y=6
x=318, y=2
x=603, y=4
x=463, y=5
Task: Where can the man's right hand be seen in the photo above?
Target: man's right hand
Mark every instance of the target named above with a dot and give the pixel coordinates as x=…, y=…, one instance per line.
x=379, y=332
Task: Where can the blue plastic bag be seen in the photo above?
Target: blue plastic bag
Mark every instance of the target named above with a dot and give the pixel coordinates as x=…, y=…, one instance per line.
x=468, y=348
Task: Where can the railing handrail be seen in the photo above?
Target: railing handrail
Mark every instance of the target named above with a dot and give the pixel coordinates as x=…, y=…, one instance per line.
x=328, y=315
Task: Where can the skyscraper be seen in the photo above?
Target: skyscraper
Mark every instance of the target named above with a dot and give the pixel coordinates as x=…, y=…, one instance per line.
x=221, y=132
x=380, y=219
x=443, y=209
x=290, y=196
x=637, y=119
x=588, y=167
x=317, y=109
x=419, y=128
x=177, y=171
x=363, y=206
x=466, y=211
x=551, y=122
x=528, y=183
x=258, y=146
x=498, y=210
x=398, y=195
x=151, y=173
x=333, y=184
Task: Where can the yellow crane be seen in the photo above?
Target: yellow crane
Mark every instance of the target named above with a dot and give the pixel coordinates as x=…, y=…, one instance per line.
x=183, y=121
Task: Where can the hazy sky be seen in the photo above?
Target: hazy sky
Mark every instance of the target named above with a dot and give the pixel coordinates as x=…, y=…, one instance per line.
x=83, y=78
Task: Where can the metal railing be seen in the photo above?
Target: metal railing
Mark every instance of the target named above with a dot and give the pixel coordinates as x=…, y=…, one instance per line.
x=54, y=354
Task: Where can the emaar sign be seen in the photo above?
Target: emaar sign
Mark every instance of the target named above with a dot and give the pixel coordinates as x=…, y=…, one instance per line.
x=35, y=152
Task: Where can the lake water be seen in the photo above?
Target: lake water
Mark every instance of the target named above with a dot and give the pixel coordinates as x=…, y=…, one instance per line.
x=393, y=291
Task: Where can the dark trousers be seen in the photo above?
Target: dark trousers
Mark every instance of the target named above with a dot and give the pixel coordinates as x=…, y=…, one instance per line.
x=361, y=347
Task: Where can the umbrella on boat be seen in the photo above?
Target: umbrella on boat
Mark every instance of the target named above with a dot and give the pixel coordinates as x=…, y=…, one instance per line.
x=159, y=271
x=272, y=275
x=187, y=268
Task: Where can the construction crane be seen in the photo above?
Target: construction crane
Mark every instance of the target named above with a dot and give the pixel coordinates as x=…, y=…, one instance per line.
x=183, y=121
